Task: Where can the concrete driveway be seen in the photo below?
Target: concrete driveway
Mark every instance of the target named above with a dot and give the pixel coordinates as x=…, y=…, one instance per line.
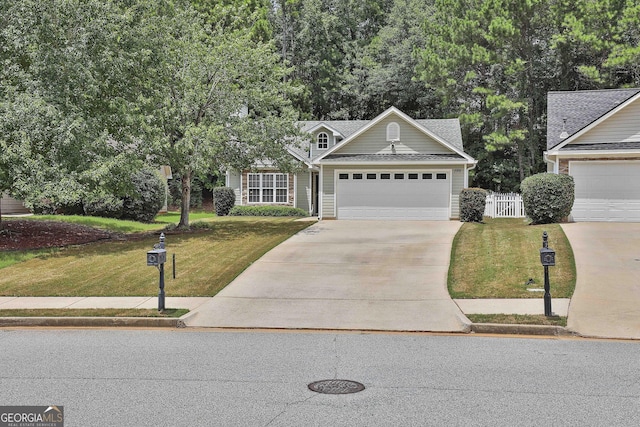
x=606, y=302
x=352, y=275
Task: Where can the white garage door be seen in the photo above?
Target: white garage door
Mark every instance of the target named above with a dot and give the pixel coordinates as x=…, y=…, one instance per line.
x=416, y=195
x=606, y=191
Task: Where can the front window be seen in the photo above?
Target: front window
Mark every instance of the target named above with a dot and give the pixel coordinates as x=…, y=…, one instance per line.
x=268, y=188
x=323, y=141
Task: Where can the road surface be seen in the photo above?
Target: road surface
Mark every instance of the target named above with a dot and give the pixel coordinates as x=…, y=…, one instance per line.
x=213, y=378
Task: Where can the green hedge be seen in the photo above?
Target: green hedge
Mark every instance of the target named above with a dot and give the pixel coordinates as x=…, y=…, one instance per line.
x=224, y=198
x=472, y=204
x=548, y=197
x=266, y=211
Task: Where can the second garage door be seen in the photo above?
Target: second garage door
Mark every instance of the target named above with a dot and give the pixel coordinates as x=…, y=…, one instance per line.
x=606, y=191
x=412, y=195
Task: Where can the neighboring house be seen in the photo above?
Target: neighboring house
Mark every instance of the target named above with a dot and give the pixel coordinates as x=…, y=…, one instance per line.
x=11, y=206
x=594, y=136
x=391, y=167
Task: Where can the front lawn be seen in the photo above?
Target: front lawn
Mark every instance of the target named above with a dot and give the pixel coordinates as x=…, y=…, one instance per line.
x=206, y=261
x=123, y=226
x=498, y=258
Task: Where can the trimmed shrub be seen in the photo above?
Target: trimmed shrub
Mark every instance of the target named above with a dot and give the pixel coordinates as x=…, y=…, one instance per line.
x=472, y=204
x=224, y=198
x=106, y=206
x=548, y=197
x=148, y=196
x=266, y=211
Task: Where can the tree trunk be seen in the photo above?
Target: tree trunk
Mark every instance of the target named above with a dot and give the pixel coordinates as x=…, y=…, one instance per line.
x=186, y=199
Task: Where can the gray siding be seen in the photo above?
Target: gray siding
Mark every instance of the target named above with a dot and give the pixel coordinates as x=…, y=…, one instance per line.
x=303, y=191
x=412, y=140
x=624, y=126
x=328, y=184
x=10, y=205
x=233, y=181
x=327, y=197
x=457, y=185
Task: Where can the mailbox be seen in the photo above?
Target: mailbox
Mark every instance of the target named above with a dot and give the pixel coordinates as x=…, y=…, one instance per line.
x=156, y=257
x=547, y=257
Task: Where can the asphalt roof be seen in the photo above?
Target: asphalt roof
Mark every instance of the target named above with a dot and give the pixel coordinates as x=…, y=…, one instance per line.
x=446, y=129
x=572, y=111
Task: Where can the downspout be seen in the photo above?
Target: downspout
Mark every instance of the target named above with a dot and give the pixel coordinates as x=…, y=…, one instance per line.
x=547, y=159
x=310, y=190
x=295, y=190
x=320, y=192
x=466, y=175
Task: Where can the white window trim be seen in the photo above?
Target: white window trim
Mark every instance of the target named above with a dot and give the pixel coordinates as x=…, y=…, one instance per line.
x=393, y=132
x=325, y=143
x=261, y=188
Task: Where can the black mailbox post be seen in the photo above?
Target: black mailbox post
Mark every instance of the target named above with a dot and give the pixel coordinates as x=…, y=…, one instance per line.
x=548, y=259
x=156, y=258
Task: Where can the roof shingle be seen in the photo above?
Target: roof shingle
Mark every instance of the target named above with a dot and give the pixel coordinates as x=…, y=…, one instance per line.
x=572, y=111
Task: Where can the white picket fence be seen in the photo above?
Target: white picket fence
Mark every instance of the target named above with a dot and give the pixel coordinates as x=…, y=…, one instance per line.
x=501, y=205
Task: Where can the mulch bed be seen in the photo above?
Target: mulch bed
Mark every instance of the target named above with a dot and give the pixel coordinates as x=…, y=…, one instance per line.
x=23, y=235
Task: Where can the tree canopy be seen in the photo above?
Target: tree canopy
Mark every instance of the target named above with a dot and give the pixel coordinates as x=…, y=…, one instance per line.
x=91, y=89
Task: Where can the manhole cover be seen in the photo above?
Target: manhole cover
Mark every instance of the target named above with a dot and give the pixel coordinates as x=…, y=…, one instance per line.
x=336, y=386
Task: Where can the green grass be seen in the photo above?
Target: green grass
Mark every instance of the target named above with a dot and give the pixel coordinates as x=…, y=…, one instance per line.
x=496, y=260
x=206, y=261
x=8, y=258
x=93, y=312
x=121, y=226
x=518, y=319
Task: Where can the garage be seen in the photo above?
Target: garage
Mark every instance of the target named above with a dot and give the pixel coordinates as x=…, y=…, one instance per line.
x=606, y=191
x=393, y=195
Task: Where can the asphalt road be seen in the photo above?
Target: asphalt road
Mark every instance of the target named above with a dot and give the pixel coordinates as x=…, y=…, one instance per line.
x=207, y=378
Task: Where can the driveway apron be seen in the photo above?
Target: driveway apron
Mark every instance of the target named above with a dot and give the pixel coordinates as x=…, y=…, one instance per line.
x=606, y=302
x=351, y=275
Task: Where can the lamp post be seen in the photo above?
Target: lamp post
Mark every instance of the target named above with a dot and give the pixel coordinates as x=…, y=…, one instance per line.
x=548, y=259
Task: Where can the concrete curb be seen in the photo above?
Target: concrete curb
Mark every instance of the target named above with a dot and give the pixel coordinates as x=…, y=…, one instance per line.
x=155, y=322
x=92, y=322
x=543, y=330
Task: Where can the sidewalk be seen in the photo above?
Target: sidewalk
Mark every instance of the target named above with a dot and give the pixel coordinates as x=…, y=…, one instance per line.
x=14, y=303
x=467, y=306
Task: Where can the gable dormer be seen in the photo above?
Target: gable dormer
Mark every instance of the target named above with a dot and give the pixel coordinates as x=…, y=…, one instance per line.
x=324, y=137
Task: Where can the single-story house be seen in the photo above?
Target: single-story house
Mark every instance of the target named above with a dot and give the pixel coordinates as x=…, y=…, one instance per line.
x=391, y=167
x=594, y=136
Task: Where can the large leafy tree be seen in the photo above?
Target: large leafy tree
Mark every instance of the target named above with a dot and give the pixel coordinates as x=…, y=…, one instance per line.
x=220, y=100
x=90, y=89
x=68, y=116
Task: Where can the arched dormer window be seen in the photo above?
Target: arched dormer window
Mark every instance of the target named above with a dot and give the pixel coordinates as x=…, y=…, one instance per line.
x=393, y=132
x=323, y=141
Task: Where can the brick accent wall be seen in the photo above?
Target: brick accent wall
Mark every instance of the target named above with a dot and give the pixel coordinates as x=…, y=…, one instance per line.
x=245, y=191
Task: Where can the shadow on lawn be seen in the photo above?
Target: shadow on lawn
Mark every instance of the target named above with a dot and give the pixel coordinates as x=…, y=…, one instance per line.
x=221, y=231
